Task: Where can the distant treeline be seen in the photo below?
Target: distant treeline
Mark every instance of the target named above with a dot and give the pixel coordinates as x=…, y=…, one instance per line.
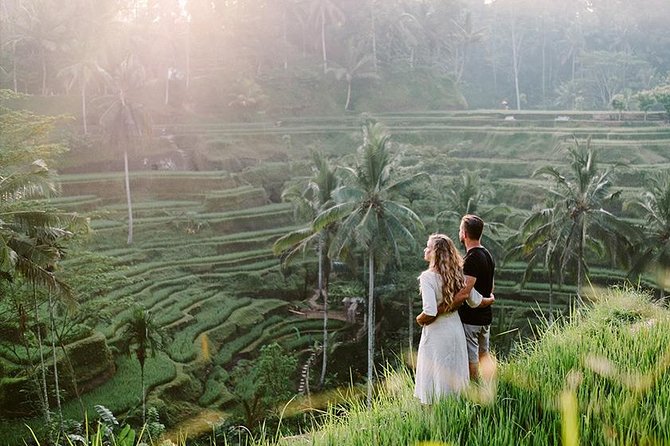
x=570, y=54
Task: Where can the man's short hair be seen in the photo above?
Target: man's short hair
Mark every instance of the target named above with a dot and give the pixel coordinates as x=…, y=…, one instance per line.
x=473, y=226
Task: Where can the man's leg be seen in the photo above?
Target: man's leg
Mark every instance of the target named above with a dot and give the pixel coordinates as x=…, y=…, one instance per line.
x=474, y=371
x=472, y=341
x=483, y=338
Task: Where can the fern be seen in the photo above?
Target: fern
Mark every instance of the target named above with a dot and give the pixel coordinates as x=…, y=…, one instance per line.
x=106, y=415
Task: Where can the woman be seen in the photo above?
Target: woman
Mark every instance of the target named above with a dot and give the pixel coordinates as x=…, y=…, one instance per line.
x=442, y=362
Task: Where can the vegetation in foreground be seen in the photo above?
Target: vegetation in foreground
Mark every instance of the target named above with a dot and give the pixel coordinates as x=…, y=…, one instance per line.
x=600, y=378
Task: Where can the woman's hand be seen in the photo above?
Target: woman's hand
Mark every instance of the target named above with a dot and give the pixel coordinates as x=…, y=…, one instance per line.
x=487, y=301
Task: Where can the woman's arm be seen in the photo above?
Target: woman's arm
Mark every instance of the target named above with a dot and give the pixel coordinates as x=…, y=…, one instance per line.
x=487, y=301
x=428, y=299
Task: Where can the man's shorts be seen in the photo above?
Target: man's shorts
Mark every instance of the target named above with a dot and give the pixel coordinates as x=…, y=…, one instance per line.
x=477, y=339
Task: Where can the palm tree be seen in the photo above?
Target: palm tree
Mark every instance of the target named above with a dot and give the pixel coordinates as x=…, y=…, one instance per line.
x=83, y=72
x=467, y=195
x=356, y=66
x=316, y=198
x=464, y=37
x=30, y=235
x=655, y=204
x=289, y=10
x=370, y=217
x=124, y=120
x=464, y=197
x=579, y=219
x=320, y=12
x=538, y=242
x=43, y=27
x=144, y=337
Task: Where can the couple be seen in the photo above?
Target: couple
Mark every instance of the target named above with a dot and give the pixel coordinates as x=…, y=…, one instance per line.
x=452, y=342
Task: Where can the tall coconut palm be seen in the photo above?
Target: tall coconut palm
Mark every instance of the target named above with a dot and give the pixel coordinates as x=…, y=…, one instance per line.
x=357, y=65
x=42, y=26
x=144, y=338
x=464, y=37
x=291, y=14
x=314, y=199
x=468, y=195
x=124, y=120
x=655, y=246
x=538, y=242
x=580, y=219
x=320, y=12
x=82, y=72
x=370, y=217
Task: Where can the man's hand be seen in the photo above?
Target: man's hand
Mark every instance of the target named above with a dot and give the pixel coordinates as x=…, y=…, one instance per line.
x=445, y=308
x=424, y=319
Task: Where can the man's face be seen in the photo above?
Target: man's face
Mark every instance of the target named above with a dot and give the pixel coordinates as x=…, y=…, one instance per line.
x=461, y=234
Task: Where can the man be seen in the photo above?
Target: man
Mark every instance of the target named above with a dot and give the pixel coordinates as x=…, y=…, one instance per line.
x=479, y=269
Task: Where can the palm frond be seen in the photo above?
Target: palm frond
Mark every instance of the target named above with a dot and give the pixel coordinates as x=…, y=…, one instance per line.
x=332, y=215
x=292, y=239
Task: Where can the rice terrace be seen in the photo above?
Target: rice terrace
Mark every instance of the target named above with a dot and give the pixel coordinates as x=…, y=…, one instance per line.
x=213, y=217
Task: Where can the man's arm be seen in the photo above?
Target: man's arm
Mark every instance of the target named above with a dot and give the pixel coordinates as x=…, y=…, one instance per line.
x=460, y=297
x=424, y=319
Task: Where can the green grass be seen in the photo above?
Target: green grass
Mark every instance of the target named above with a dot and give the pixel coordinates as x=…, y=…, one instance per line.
x=158, y=370
x=613, y=358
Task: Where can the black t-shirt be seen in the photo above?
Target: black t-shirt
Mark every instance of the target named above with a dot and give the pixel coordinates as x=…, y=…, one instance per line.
x=478, y=263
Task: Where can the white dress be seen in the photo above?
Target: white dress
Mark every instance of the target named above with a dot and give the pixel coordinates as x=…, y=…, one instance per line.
x=442, y=359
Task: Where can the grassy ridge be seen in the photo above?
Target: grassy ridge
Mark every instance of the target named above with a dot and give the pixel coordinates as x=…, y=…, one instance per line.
x=613, y=358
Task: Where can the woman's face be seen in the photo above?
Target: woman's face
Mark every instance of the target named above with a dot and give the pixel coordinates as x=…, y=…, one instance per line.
x=428, y=252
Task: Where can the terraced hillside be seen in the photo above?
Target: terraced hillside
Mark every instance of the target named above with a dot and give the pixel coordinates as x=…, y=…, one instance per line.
x=201, y=259
x=202, y=264
x=506, y=147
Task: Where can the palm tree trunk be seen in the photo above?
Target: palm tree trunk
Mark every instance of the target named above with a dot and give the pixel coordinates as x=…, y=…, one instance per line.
x=144, y=397
x=325, y=315
x=14, y=79
x=348, y=104
x=130, y=204
x=44, y=73
x=188, y=55
x=371, y=324
x=374, y=35
x=167, y=86
x=285, y=37
x=544, y=64
x=73, y=374
x=515, y=66
x=323, y=40
x=52, y=318
x=83, y=105
x=580, y=257
x=410, y=320
x=43, y=368
x=551, y=293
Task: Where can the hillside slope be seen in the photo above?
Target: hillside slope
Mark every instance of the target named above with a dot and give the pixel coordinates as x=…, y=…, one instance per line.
x=605, y=371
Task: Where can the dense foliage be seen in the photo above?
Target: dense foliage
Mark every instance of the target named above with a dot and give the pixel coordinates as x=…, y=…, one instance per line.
x=247, y=55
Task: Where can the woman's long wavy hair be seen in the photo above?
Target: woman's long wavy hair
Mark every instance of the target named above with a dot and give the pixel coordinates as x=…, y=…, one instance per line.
x=448, y=263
